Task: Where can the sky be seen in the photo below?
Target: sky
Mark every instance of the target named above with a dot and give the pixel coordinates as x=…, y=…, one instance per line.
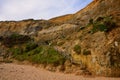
x=38, y=9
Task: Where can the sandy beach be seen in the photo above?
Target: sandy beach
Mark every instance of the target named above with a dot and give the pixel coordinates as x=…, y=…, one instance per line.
x=11, y=71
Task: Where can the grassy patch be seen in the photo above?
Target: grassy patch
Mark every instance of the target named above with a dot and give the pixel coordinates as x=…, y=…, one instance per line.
x=40, y=54
x=48, y=56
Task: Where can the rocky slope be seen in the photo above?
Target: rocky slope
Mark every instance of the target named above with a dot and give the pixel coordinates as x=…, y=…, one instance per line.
x=90, y=37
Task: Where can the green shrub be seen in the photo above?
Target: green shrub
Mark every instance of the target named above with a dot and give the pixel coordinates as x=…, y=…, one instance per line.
x=35, y=51
x=18, y=54
x=40, y=54
x=15, y=39
x=102, y=27
x=21, y=57
x=99, y=27
x=110, y=24
x=18, y=38
x=103, y=24
x=86, y=52
x=15, y=36
x=99, y=19
x=94, y=29
x=30, y=46
x=77, y=49
x=16, y=50
x=48, y=56
x=91, y=21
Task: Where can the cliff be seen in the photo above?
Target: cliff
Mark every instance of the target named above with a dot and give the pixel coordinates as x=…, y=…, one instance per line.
x=89, y=38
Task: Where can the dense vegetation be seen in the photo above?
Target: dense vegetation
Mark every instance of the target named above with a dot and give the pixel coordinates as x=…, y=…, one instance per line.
x=104, y=24
x=40, y=54
x=22, y=48
x=14, y=39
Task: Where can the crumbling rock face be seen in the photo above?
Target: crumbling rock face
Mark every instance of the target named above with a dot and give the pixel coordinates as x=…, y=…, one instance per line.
x=25, y=27
x=97, y=7
x=104, y=58
x=99, y=52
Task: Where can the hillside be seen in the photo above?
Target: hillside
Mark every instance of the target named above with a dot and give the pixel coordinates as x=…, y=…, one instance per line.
x=62, y=19
x=85, y=43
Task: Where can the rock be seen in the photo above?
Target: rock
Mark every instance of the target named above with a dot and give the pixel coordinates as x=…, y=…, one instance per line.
x=60, y=68
x=116, y=43
x=50, y=68
x=83, y=72
x=67, y=63
x=72, y=29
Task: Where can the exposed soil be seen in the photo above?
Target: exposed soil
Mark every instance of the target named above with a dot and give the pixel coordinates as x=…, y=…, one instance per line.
x=10, y=71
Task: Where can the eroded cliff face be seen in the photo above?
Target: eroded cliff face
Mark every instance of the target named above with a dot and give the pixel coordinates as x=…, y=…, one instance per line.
x=90, y=37
x=95, y=9
x=25, y=27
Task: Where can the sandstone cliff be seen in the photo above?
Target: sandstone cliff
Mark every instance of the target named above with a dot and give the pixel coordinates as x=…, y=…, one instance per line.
x=89, y=37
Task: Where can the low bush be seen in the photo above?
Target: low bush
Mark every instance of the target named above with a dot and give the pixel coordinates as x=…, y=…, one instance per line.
x=91, y=21
x=15, y=39
x=99, y=19
x=18, y=53
x=40, y=54
x=104, y=24
x=30, y=46
x=86, y=52
x=77, y=49
x=99, y=27
x=47, y=56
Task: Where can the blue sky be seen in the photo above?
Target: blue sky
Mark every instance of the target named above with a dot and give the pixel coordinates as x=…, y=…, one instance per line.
x=38, y=9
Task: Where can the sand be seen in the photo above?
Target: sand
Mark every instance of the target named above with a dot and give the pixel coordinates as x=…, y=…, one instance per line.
x=11, y=71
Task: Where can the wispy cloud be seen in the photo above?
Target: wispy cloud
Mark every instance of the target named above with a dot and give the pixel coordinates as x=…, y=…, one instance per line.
x=38, y=9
